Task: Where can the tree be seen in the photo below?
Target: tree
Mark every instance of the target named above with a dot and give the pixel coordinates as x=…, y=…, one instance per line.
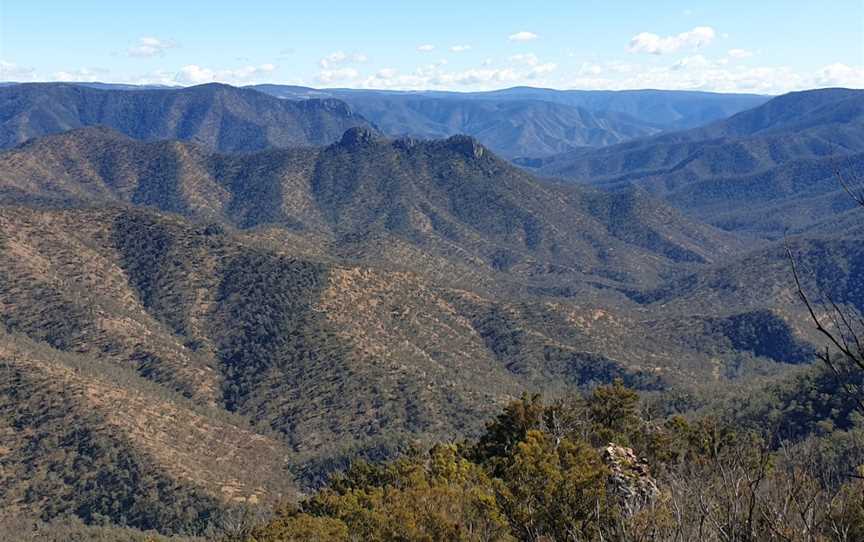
x=614, y=410
x=554, y=490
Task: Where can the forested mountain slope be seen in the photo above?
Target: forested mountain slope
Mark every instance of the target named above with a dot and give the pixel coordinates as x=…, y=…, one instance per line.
x=218, y=116
x=780, y=159
x=378, y=200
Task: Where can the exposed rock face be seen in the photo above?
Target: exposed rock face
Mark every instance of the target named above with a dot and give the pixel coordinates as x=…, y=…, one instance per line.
x=406, y=143
x=630, y=479
x=467, y=145
x=358, y=136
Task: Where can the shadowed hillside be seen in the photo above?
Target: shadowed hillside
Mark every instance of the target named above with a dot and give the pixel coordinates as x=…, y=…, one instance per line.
x=260, y=333
x=511, y=128
x=89, y=439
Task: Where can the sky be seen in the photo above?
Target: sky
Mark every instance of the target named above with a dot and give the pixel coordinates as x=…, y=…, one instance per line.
x=758, y=46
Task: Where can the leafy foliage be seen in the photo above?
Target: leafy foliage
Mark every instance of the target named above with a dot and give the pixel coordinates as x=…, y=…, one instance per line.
x=535, y=475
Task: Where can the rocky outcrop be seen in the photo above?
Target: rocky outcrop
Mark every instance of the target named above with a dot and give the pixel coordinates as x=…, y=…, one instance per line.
x=467, y=145
x=358, y=136
x=630, y=479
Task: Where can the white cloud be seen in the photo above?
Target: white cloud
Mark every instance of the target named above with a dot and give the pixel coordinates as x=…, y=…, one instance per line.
x=482, y=77
x=542, y=69
x=840, y=75
x=80, y=74
x=698, y=72
x=691, y=62
x=531, y=60
x=475, y=76
x=460, y=48
x=336, y=67
x=193, y=74
x=589, y=68
x=341, y=57
x=436, y=76
x=9, y=71
x=526, y=58
x=340, y=75
x=333, y=58
x=646, y=42
x=426, y=47
x=694, y=72
x=523, y=36
x=150, y=46
x=739, y=53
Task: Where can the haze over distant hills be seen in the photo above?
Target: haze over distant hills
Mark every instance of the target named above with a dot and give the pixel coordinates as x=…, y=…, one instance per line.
x=671, y=109
x=518, y=122
x=762, y=171
x=532, y=122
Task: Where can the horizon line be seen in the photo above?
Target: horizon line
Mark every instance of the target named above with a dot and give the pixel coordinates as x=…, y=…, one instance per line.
x=157, y=86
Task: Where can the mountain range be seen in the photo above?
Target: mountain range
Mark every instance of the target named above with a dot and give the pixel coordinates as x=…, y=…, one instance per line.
x=286, y=305
x=377, y=200
x=518, y=122
x=763, y=171
x=531, y=122
x=672, y=110
x=218, y=116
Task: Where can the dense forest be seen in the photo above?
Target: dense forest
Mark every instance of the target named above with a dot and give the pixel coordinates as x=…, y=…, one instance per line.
x=780, y=463
x=604, y=467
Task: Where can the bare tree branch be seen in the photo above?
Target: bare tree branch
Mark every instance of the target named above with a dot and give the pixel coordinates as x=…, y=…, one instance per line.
x=845, y=330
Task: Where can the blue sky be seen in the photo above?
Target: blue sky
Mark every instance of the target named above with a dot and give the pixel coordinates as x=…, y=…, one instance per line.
x=760, y=46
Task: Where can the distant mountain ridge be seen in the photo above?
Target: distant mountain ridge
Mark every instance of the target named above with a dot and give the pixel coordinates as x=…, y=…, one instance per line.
x=510, y=128
x=517, y=122
x=221, y=117
x=793, y=111
x=531, y=122
x=729, y=173
x=669, y=109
